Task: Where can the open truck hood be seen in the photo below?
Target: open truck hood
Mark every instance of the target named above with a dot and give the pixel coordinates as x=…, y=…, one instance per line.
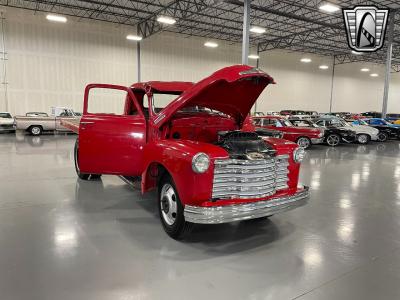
x=232, y=90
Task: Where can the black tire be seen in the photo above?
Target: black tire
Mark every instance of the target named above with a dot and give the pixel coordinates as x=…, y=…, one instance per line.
x=35, y=130
x=333, y=140
x=363, y=138
x=383, y=136
x=304, y=142
x=82, y=176
x=171, y=209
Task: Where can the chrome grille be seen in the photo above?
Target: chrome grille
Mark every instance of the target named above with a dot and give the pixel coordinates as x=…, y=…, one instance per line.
x=240, y=178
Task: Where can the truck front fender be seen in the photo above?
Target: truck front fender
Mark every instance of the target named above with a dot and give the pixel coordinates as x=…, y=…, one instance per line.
x=175, y=157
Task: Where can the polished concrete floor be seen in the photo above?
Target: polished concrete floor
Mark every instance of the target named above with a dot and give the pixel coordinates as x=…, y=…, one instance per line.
x=62, y=238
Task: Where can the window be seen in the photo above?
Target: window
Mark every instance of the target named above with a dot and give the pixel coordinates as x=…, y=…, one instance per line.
x=162, y=100
x=258, y=122
x=107, y=101
x=302, y=123
x=5, y=115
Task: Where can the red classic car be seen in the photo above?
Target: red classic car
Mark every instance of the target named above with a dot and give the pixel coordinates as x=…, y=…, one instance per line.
x=304, y=137
x=192, y=149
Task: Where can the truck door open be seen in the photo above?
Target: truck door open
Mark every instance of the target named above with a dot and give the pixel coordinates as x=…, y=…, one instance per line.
x=111, y=137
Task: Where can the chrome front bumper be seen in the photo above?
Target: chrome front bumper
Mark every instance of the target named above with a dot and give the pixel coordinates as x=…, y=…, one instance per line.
x=317, y=141
x=246, y=211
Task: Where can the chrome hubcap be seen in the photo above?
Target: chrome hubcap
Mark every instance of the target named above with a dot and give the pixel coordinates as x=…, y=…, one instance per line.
x=362, y=139
x=303, y=142
x=168, y=204
x=35, y=130
x=333, y=140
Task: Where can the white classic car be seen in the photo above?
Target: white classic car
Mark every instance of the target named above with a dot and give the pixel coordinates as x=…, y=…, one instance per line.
x=6, y=122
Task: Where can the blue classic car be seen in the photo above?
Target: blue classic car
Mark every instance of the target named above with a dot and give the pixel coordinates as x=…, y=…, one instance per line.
x=385, y=128
x=379, y=121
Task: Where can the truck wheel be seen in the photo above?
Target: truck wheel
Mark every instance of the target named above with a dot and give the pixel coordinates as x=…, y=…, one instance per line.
x=333, y=140
x=363, y=138
x=171, y=210
x=78, y=172
x=304, y=142
x=383, y=136
x=35, y=130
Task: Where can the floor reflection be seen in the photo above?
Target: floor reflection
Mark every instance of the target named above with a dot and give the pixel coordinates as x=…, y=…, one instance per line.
x=63, y=238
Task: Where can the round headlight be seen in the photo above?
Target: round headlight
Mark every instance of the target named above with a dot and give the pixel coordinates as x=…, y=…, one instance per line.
x=200, y=162
x=298, y=155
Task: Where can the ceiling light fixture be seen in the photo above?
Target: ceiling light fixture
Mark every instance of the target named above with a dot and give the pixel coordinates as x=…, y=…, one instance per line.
x=329, y=7
x=257, y=29
x=56, y=18
x=323, y=67
x=364, y=70
x=374, y=75
x=211, y=44
x=132, y=37
x=306, y=60
x=254, y=56
x=166, y=20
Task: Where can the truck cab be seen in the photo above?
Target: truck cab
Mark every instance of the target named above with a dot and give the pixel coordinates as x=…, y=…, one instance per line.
x=187, y=140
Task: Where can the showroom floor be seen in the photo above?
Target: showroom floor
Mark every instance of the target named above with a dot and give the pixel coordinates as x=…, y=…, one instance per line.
x=62, y=238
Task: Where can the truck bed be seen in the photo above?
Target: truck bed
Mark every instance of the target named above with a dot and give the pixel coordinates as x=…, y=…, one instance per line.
x=72, y=125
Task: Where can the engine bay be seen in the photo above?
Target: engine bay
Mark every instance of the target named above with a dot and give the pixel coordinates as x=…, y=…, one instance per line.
x=244, y=145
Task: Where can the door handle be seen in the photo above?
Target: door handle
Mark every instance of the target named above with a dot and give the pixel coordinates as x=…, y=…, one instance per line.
x=87, y=122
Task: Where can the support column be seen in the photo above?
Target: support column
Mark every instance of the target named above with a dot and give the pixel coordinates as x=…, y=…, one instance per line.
x=333, y=76
x=138, y=62
x=246, y=32
x=257, y=66
x=388, y=64
x=4, y=59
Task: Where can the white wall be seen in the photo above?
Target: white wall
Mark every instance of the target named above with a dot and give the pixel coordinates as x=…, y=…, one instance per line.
x=50, y=64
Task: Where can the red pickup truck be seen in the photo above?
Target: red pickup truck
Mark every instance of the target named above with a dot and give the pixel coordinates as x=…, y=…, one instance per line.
x=192, y=149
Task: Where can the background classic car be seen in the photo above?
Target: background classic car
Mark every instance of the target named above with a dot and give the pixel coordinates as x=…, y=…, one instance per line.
x=206, y=168
x=6, y=122
x=385, y=127
x=304, y=137
x=364, y=133
x=37, y=122
x=336, y=133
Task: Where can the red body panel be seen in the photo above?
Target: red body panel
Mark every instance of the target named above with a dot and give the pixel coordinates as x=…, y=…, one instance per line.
x=145, y=143
x=291, y=133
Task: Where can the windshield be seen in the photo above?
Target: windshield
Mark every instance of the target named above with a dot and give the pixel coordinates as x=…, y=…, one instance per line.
x=386, y=122
x=339, y=123
x=299, y=112
x=303, y=123
x=5, y=115
x=283, y=123
x=361, y=122
x=68, y=113
x=162, y=100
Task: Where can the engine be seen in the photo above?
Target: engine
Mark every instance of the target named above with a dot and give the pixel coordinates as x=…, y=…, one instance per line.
x=244, y=145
